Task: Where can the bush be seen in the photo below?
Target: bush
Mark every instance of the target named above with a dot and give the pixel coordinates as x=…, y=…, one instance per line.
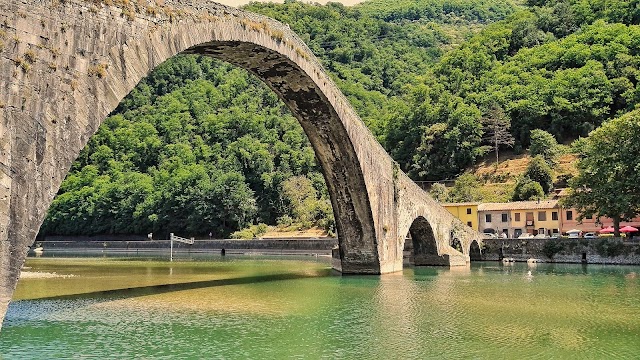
x=252, y=232
x=538, y=170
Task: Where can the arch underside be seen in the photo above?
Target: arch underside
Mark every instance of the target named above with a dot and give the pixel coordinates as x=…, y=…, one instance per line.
x=328, y=137
x=425, y=245
x=475, y=254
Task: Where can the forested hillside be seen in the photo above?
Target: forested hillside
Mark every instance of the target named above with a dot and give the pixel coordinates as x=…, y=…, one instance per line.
x=201, y=146
x=561, y=66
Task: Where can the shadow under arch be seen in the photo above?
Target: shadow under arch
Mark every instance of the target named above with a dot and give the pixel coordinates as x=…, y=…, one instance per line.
x=475, y=254
x=427, y=250
x=425, y=247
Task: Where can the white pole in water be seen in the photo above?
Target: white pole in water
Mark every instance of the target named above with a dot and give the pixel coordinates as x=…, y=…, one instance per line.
x=171, y=256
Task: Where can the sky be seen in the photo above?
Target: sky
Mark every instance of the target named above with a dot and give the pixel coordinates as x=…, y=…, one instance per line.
x=243, y=2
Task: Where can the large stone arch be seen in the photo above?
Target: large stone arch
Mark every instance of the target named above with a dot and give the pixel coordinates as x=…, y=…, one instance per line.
x=64, y=66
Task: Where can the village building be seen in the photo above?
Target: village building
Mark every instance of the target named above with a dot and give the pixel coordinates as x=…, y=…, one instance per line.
x=516, y=218
x=467, y=212
x=570, y=217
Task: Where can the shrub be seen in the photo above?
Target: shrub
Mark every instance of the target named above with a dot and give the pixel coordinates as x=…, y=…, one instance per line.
x=538, y=170
x=252, y=232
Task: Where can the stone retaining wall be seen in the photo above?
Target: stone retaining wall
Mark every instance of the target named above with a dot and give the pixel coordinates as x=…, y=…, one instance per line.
x=592, y=251
x=323, y=245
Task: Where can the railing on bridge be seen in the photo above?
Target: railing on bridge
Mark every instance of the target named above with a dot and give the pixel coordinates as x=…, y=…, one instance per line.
x=173, y=238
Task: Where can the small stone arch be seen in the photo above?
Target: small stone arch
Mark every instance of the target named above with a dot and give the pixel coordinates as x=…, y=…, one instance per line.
x=475, y=252
x=425, y=245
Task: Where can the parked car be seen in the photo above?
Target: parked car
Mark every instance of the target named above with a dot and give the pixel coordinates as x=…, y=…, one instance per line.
x=525, y=236
x=489, y=236
x=541, y=236
x=590, y=235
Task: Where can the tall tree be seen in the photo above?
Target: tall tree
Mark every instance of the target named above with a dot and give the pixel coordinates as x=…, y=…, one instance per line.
x=608, y=182
x=497, y=125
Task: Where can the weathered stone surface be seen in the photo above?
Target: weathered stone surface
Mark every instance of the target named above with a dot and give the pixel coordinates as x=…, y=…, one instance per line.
x=65, y=65
x=606, y=250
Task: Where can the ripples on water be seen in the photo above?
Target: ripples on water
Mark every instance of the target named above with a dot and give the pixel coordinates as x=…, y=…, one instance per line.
x=274, y=309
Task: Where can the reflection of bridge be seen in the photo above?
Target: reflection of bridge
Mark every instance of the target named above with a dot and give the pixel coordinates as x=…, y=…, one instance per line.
x=65, y=65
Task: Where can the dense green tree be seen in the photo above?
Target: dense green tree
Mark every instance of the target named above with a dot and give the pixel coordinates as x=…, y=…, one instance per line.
x=545, y=145
x=439, y=192
x=527, y=189
x=539, y=171
x=464, y=189
x=608, y=182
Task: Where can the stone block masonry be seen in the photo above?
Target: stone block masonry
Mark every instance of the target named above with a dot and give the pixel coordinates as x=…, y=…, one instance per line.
x=606, y=250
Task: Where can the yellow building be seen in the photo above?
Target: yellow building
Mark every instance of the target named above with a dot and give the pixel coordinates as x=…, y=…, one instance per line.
x=466, y=212
x=536, y=217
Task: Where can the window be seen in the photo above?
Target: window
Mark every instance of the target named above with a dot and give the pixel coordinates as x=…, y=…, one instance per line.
x=542, y=231
x=590, y=217
x=487, y=217
x=468, y=211
x=504, y=217
x=469, y=224
x=505, y=232
x=542, y=216
x=569, y=215
x=517, y=216
x=554, y=215
x=529, y=218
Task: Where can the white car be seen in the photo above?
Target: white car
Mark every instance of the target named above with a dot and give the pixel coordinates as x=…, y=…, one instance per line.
x=590, y=235
x=489, y=236
x=525, y=236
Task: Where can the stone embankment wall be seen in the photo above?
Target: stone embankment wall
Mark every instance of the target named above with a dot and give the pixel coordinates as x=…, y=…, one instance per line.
x=592, y=251
x=272, y=245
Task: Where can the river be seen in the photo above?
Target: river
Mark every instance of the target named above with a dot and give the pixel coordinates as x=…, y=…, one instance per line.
x=250, y=307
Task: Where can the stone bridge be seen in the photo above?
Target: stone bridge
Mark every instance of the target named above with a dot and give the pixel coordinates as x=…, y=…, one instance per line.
x=66, y=64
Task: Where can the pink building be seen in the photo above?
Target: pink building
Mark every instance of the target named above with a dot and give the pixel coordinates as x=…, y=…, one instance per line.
x=569, y=219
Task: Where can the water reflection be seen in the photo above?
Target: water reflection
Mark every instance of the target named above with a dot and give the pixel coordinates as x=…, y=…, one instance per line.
x=396, y=308
x=273, y=308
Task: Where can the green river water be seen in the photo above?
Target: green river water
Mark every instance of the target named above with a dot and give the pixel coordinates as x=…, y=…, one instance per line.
x=296, y=308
